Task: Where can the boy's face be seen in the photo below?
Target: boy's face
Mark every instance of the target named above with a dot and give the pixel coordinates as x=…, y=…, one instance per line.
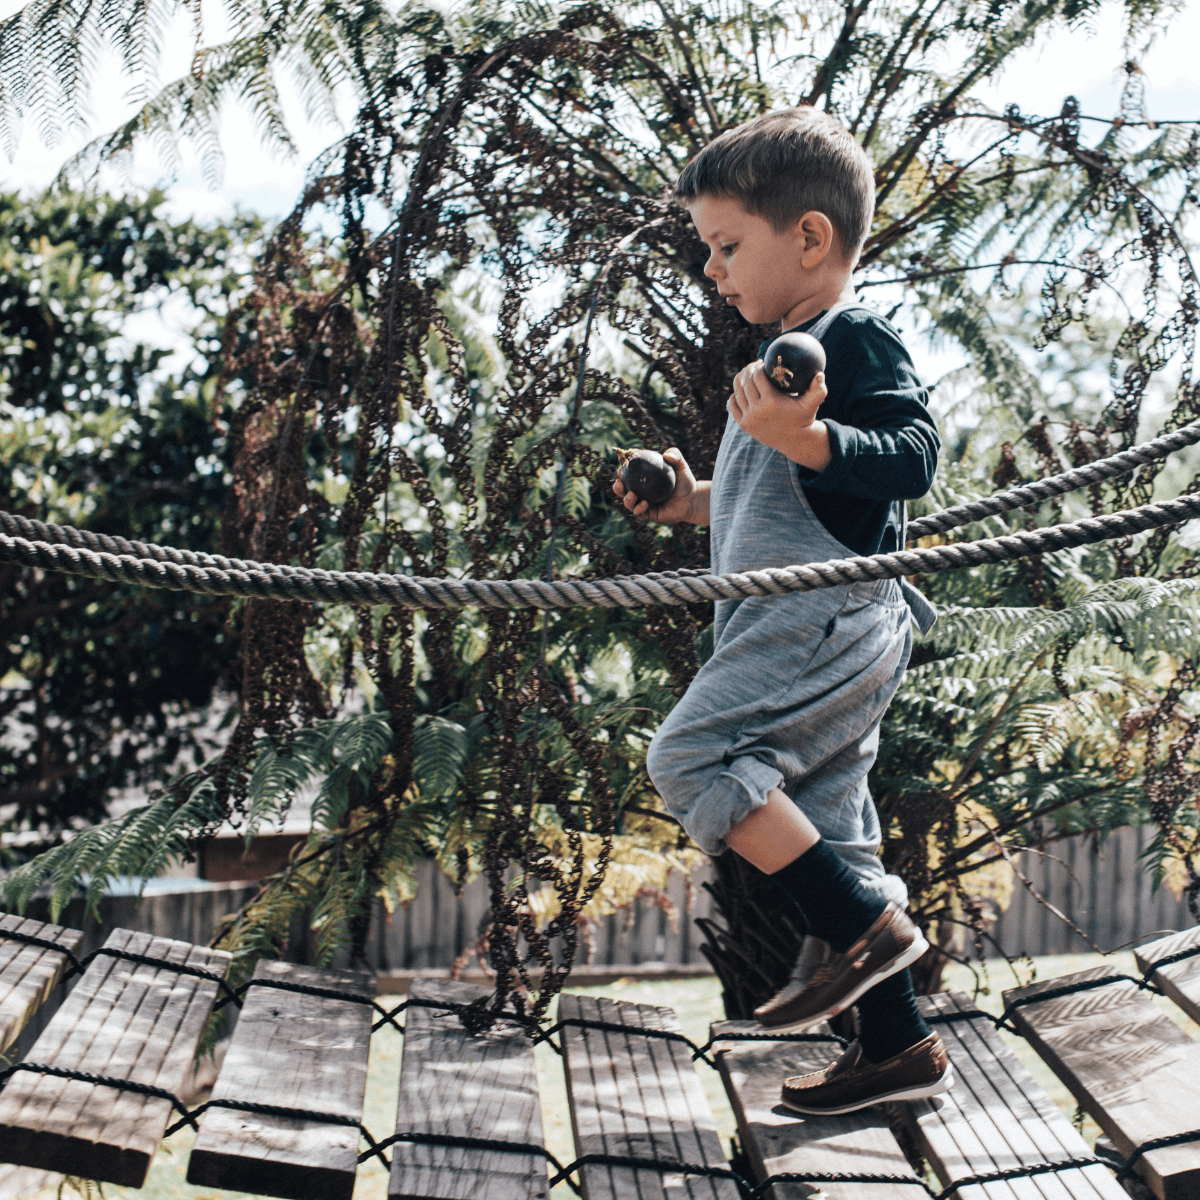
x=758, y=271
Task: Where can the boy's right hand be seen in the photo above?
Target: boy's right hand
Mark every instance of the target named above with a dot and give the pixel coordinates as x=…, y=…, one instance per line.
x=677, y=507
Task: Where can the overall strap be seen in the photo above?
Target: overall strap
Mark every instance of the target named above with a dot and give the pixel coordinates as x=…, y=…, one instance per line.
x=923, y=613
x=821, y=328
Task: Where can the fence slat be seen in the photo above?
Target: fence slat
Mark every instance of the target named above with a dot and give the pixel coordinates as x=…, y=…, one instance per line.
x=1105, y=892
x=1109, y=897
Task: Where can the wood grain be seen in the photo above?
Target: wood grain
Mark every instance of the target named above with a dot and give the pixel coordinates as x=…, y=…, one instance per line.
x=996, y=1117
x=19, y=1183
x=126, y=1020
x=28, y=974
x=453, y=1082
x=1126, y=1063
x=633, y=1095
x=778, y=1140
x=294, y=1051
x=1181, y=980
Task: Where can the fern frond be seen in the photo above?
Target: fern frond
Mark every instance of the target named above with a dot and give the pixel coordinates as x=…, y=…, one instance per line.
x=136, y=844
x=440, y=751
x=351, y=751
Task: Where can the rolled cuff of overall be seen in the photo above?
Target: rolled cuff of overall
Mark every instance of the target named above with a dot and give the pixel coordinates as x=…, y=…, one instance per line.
x=740, y=787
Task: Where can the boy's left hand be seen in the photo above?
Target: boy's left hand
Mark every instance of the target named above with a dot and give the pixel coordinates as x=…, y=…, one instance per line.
x=766, y=413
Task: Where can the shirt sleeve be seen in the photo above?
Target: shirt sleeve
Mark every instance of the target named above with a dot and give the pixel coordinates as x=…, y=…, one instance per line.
x=883, y=440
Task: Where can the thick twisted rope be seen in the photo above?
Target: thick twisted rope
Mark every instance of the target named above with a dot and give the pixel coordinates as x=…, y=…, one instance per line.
x=1057, y=485
x=99, y=556
x=949, y=518
x=269, y=581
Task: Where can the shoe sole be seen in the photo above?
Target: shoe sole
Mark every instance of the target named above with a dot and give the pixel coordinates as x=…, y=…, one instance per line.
x=910, y=956
x=921, y=1092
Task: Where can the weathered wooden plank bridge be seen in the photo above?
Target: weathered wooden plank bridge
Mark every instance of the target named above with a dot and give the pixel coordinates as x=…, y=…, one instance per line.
x=97, y=1091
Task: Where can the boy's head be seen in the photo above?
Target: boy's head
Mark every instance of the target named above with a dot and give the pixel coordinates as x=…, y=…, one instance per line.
x=787, y=163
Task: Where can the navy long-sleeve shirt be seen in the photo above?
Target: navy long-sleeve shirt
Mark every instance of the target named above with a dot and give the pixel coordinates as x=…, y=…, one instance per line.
x=883, y=441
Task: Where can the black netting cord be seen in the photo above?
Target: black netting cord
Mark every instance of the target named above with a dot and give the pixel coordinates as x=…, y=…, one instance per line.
x=231, y=995
x=1067, y=989
x=1174, y=1139
x=1179, y=956
x=1070, y=989
x=698, y=1052
x=563, y=1173
x=79, y=965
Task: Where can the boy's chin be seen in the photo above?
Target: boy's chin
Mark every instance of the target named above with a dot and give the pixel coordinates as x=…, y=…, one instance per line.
x=755, y=315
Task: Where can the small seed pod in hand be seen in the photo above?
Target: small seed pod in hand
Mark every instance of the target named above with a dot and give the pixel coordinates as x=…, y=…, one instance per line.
x=646, y=474
x=792, y=361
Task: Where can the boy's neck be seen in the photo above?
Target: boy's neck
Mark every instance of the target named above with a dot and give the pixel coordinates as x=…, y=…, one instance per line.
x=836, y=288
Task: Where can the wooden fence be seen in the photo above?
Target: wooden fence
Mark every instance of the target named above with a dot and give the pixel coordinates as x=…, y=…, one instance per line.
x=1101, y=889
x=437, y=927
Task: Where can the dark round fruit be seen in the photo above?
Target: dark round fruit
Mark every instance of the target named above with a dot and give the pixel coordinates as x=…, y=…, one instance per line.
x=647, y=475
x=792, y=360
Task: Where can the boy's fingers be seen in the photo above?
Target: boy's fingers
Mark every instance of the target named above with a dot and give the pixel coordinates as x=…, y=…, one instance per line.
x=817, y=391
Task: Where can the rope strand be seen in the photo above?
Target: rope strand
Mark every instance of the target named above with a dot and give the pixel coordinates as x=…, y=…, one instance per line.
x=1057, y=485
x=35, y=543
x=271, y=581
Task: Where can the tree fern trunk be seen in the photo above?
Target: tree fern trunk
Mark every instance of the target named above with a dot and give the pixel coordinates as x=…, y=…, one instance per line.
x=753, y=942
x=754, y=937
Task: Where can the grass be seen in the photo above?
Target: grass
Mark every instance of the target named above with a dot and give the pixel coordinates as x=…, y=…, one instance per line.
x=697, y=1003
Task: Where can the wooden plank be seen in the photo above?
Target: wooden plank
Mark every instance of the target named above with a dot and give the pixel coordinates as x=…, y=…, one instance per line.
x=1181, y=980
x=125, y=1020
x=453, y=1082
x=676, y=937
x=1108, y=892
x=418, y=914
x=602, y=941
x=19, y=1183
x=777, y=1140
x=650, y=931
x=445, y=918
x=996, y=1117
x=638, y=1096
x=294, y=1051
x=1128, y=1064
x=28, y=974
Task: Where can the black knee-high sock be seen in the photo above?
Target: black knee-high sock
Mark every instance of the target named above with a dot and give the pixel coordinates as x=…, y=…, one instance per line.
x=836, y=906
x=888, y=1020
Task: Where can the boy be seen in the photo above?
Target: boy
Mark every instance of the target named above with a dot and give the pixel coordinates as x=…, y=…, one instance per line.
x=768, y=752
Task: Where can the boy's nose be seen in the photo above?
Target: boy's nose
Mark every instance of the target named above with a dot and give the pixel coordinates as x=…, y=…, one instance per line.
x=712, y=268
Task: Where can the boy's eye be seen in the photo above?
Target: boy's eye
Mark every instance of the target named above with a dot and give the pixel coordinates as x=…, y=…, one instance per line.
x=730, y=248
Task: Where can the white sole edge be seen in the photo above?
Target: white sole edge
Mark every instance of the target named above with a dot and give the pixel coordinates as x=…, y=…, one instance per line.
x=915, y=1093
x=910, y=956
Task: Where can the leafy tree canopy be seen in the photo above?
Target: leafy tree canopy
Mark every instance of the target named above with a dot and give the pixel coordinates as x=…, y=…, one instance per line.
x=102, y=687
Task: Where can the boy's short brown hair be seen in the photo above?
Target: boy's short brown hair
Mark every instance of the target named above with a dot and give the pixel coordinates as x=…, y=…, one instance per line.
x=784, y=164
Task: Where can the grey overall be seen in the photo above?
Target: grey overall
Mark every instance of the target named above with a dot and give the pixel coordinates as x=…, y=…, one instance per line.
x=794, y=692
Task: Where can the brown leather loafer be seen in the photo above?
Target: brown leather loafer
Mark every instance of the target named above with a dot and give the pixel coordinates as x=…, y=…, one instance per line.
x=890, y=945
x=813, y=955
x=853, y=1082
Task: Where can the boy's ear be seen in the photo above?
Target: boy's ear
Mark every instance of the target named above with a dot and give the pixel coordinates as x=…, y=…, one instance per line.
x=816, y=231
